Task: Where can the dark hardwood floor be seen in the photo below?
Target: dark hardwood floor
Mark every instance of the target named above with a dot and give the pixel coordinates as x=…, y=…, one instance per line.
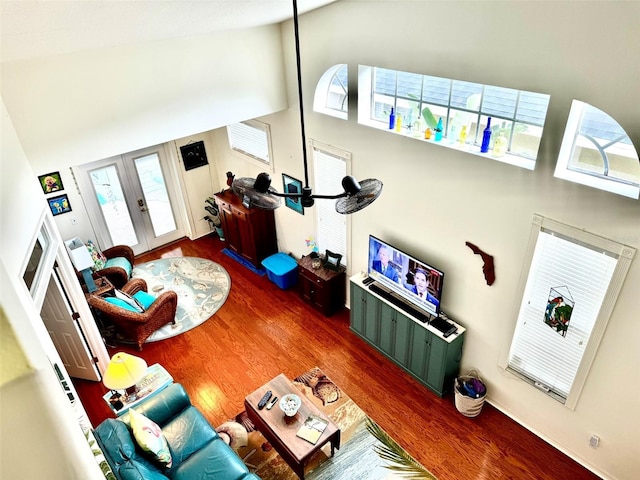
x=262, y=331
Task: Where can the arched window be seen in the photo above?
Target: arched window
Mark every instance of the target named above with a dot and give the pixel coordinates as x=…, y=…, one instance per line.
x=332, y=92
x=597, y=152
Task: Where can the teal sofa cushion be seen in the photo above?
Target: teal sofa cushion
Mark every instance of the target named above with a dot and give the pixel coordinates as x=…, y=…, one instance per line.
x=218, y=457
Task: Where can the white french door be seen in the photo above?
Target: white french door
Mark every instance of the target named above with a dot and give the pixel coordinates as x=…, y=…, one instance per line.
x=131, y=199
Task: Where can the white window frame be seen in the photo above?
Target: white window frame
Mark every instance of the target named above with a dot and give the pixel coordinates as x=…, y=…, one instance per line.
x=327, y=218
x=572, y=139
x=325, y=88
x=624, y=256
x=366, y=96
x=252, y=140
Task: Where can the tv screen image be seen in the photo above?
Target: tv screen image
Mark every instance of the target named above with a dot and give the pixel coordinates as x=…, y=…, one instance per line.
x=411, y=278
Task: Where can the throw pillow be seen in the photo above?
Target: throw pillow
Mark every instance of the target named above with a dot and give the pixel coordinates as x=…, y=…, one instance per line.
x=98, y=257
x=133, y=302
x=144, y=299
x=121, y=303
x=150, y=438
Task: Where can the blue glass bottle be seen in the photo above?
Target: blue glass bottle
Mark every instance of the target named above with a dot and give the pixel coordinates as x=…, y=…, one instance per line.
x=486, y=137
x=392, y=120
x=439, y=130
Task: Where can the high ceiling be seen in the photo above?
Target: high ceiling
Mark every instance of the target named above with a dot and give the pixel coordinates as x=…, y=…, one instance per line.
x=38, y=28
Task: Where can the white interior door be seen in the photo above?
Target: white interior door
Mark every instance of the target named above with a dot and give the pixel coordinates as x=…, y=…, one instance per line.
x=66, y=332
x=131, y=200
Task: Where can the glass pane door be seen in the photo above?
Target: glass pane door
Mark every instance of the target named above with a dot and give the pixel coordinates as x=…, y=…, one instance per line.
x=112, y=204
x=156, y=197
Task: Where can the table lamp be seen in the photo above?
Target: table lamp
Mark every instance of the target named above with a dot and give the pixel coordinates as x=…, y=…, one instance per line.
x=81, y=259
x=123, y=372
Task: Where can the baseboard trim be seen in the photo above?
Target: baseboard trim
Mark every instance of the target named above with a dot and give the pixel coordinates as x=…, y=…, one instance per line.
x=568, y=453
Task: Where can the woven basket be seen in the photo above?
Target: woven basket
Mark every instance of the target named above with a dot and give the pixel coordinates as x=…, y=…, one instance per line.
x=467, y=406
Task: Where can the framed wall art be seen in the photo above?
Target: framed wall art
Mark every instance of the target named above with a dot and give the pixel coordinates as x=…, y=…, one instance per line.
x=59, y=204
x=291, y=185
x=51, y=182
x=193, y=155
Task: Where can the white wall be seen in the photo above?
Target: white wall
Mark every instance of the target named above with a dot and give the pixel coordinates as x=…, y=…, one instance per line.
x=77, y=108
x=587, y=51
x=97, y=104
x=199, y=183
x=37, y=419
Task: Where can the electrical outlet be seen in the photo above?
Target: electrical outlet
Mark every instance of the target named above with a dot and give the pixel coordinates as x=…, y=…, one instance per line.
x=594, y=441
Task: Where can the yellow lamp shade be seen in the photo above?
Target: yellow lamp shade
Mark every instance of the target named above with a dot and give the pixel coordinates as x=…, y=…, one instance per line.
x=124, y=371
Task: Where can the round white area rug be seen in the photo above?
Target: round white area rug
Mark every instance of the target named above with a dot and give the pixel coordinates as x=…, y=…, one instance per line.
x=202, y=287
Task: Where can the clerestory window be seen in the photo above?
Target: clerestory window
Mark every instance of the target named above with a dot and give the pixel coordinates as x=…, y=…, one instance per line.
x=597, y=152
x=332, y=92
x=419, y=101
x=251, y=138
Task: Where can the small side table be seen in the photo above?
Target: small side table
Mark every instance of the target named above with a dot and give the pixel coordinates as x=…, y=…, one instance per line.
x=155, y=380
x=321, y=287
x=104, y=287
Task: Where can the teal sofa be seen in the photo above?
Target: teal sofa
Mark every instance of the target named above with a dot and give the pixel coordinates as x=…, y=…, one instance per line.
x=196, y=449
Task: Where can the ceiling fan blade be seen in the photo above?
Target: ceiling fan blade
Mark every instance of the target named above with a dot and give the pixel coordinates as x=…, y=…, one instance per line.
x=369, y=192
x=244, y=188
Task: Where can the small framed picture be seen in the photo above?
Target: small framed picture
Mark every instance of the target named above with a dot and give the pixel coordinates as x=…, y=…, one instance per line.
x=291, y=185
x=59, y=204
x=332, y=260
x=51, y=182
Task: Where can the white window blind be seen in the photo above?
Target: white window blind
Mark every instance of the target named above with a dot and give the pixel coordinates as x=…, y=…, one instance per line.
x=548, y=350
x=251, y=138
x=329, y=170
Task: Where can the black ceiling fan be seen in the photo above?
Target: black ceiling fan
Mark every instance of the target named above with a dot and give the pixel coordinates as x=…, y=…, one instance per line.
x=259, y=193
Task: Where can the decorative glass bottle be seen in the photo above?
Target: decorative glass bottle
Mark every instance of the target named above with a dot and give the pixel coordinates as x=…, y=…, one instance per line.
x=463, y=135
x=392, y=119
x=439, y=130
x=486, y=137
x=398, y=122
x=500, y=143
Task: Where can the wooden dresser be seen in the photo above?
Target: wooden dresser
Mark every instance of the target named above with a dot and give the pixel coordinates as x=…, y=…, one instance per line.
x=249, y=232
x=323, y=288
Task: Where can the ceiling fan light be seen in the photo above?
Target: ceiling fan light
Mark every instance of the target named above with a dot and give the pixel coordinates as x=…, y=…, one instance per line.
x=351, y=185
x=263, y=182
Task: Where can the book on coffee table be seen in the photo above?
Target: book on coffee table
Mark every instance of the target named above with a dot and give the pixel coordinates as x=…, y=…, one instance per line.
x=312, y=428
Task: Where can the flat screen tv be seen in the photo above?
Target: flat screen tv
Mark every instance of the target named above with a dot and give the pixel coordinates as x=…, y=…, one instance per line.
x=416, y=281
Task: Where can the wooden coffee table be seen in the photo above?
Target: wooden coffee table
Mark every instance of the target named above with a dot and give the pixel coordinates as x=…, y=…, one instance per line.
x=281, y=431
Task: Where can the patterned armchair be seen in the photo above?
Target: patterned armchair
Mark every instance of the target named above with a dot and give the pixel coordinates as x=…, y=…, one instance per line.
x=138, y=326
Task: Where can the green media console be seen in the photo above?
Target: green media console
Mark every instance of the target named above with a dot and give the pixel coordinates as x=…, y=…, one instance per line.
x=417, y=347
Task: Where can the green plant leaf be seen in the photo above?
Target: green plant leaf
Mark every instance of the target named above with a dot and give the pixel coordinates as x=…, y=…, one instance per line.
x=401, y=461
x=429, y=118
